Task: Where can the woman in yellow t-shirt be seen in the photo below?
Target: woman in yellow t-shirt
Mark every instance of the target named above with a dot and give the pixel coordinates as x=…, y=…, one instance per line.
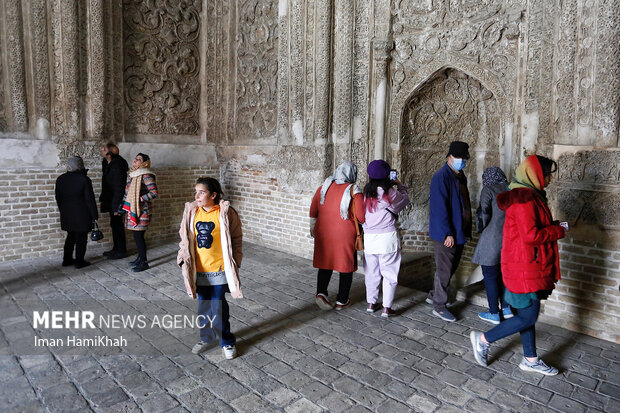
x=210, y=254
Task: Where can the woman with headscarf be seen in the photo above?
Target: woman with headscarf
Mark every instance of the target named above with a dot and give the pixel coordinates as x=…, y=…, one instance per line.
x=530, y=260
x=332, y=224
x=140, y=190
x=78, y=210
x=488, y=250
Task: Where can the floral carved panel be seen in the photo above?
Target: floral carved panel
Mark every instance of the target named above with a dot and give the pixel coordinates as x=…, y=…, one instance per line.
x=478, y=37
x=450, y=106
x=3, y=123
x=257, y=69
x=161, y=66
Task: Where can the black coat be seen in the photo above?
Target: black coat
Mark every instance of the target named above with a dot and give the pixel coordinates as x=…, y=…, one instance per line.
x=113, y=183
x=76, y=201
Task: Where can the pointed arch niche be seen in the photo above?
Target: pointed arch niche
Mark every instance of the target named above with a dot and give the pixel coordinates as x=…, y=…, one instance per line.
x=450, y=105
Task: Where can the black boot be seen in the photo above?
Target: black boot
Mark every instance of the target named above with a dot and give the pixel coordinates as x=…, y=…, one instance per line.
x=117, y=255
x=68, y=261
x=141, y=266
x=134, y=262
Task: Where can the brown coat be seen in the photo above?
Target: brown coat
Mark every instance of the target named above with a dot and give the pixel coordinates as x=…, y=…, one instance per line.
x=231, y=238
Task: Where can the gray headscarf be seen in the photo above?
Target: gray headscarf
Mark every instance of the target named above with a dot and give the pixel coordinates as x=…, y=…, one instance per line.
x=346, y=173
x=75, y=163
x=493, y=175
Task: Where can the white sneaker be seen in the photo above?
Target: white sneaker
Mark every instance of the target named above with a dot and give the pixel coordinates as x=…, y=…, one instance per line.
x=230, y=352
x=430, y=301
x=537, y=366
x=200, y=347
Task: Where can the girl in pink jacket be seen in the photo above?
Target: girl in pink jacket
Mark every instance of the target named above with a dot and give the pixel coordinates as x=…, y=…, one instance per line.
x=381, y=244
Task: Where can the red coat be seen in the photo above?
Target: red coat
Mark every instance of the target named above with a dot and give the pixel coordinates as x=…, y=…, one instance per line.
x=334, y=237
x=530, y=259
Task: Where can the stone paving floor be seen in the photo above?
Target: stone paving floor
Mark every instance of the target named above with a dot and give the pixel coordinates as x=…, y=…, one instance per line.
x=292, y=356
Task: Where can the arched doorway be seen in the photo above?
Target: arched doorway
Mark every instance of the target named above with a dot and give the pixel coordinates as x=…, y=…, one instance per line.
x=450, y=105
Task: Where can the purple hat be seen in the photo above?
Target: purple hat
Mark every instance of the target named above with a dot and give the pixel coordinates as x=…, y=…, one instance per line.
x=378, y=169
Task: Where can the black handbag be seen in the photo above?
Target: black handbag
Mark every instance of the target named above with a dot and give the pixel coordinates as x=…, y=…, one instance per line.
x=96, y=234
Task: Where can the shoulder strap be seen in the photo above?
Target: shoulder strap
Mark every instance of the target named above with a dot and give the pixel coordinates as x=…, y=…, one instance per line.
x=357, y=227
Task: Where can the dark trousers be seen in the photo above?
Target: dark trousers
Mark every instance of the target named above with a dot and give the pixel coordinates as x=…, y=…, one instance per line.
x=138, y=237
x=446, y=262
x=494, y=286
x=523, y=322
x=213, y=306
x=75, y=240
x=344, y=286
x=118, y=233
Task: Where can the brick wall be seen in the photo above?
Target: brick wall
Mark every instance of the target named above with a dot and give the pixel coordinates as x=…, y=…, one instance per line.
x=269, y=216
x=28, y=214
x=30, y=220
x=587, y=299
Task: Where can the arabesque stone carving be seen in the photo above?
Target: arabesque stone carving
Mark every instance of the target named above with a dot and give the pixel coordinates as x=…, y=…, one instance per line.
x=3, y=123
x=257, y=68
x=450, y=106
x=161, y=66
x=480, y=38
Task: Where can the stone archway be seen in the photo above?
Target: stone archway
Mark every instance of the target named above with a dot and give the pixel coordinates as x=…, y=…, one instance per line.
x=450, y=105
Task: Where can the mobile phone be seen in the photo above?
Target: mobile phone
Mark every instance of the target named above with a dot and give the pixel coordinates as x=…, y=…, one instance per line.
x=393, y=175
x=564, y=225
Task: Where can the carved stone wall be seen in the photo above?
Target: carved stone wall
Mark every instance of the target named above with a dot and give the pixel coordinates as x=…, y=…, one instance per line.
x=14, y=84
x=449, y=104
x=588, y=191
x=478, y=38
x=255, y=105
x=587, y=74
x=161, y=67
x=3, y=115
x=242, y=67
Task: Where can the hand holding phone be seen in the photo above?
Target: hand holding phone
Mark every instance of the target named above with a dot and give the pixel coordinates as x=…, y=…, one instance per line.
x=564, y=225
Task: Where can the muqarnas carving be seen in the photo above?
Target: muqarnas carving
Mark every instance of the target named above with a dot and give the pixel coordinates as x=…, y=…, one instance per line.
x=450, y=106
x=161, y=66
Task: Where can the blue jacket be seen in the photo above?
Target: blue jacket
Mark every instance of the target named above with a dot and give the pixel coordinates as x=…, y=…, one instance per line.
x=446, y=215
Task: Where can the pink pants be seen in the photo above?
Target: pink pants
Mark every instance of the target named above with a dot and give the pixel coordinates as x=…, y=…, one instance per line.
x=377, y=266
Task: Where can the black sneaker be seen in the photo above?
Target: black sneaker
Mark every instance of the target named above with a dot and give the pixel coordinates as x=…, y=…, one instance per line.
x=142, y=265
x=116, y=255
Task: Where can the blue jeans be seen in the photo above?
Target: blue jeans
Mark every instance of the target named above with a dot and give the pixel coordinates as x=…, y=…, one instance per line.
x=523, y=322
x=212, y=305
x=494, y=286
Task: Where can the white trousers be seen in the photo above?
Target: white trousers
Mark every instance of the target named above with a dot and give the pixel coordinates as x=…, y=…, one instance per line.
x=377, y=266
